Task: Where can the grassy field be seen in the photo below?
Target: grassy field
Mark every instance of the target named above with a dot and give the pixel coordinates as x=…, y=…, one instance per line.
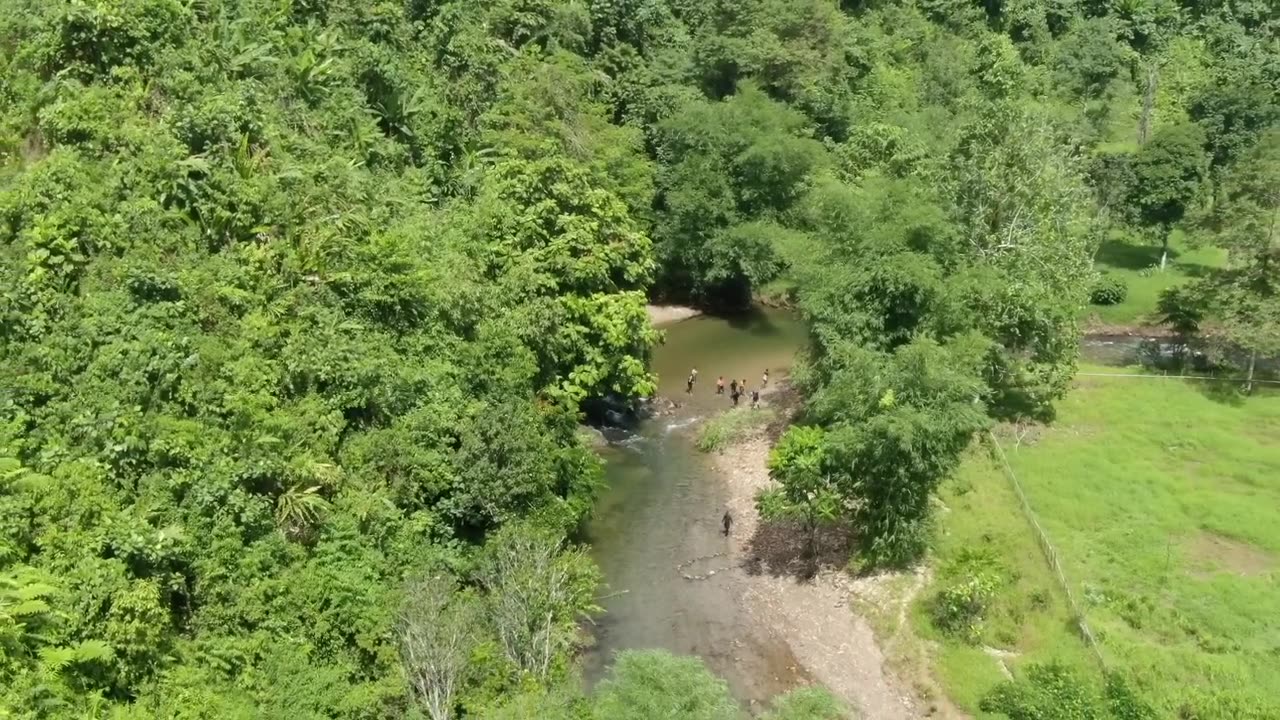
x=1125, y=257
x=1163, y=499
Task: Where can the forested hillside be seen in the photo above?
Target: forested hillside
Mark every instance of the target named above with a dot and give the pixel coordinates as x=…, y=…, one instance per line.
x=300, y=299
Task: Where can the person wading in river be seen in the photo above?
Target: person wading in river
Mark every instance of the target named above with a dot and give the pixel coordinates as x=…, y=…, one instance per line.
x=733, y=387
x=720, y=385
x=764, y=379
x=755, y=399
x=727, y=521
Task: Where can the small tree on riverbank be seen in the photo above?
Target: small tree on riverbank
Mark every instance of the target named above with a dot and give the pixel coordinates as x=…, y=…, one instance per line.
x=1240, y=301
x=805, y=491
x=646, y=684
x=897, y=424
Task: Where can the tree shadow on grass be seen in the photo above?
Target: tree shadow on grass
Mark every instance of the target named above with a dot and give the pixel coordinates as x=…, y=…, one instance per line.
x=1233, y=390
x=1122, y=255
x=1224, y=391
x=1195, y=270
x=781, y=549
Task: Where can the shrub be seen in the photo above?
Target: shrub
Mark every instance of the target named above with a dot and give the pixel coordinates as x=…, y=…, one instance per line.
x=731, y=427
x=1056, y=692
x=808, y=703
x=646, y=684
x=1182, y=308
x=961, y=606
x=1047, y=692
x=1108, y=290
x=1123, y=702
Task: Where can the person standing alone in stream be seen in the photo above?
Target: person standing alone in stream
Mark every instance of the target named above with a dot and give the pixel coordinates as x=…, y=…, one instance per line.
x=693, y=377
x=727, y=521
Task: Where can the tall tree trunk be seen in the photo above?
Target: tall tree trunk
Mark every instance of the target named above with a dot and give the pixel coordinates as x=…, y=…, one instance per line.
x=1253, y=362
x=1164, y=250
x=1148, y=103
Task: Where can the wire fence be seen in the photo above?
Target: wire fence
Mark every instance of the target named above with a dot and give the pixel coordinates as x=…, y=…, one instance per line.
x=1050, y=555
x=1210, y=378
x=1047, y=548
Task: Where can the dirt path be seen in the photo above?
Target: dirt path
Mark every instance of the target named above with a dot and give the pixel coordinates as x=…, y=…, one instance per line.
x=833, y=644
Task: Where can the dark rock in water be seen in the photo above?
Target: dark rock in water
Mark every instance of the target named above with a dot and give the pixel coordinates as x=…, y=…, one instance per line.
x=609, y=410
x=615, y=411
x=655, y=406
x=649, y=407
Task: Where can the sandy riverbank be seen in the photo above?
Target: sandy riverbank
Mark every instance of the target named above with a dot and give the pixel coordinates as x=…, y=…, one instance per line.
x=667, y=314
x=836, y=647
x=813, y=605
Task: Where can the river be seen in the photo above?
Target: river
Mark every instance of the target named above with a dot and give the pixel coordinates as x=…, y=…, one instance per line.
x=663, y=506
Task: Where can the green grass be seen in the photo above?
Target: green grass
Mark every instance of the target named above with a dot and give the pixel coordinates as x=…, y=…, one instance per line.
x=1129, y=259
x=1163, y=499
x=731, y=426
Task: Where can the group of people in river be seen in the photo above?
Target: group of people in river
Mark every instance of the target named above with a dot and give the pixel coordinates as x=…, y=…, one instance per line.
x=737, y=389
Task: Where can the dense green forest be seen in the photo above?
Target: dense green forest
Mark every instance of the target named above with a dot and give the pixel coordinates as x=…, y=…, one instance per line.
x=300, y=301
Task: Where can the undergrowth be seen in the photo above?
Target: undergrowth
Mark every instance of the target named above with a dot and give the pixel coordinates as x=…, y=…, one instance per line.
x=731, y=427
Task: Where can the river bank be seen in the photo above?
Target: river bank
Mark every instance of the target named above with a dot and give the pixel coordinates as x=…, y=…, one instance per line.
x=749, y=604
x=660, y=315
x=812, y=605
x=832, y=645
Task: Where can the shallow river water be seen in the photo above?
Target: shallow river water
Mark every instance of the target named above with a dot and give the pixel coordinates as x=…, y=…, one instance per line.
x=663, y=506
